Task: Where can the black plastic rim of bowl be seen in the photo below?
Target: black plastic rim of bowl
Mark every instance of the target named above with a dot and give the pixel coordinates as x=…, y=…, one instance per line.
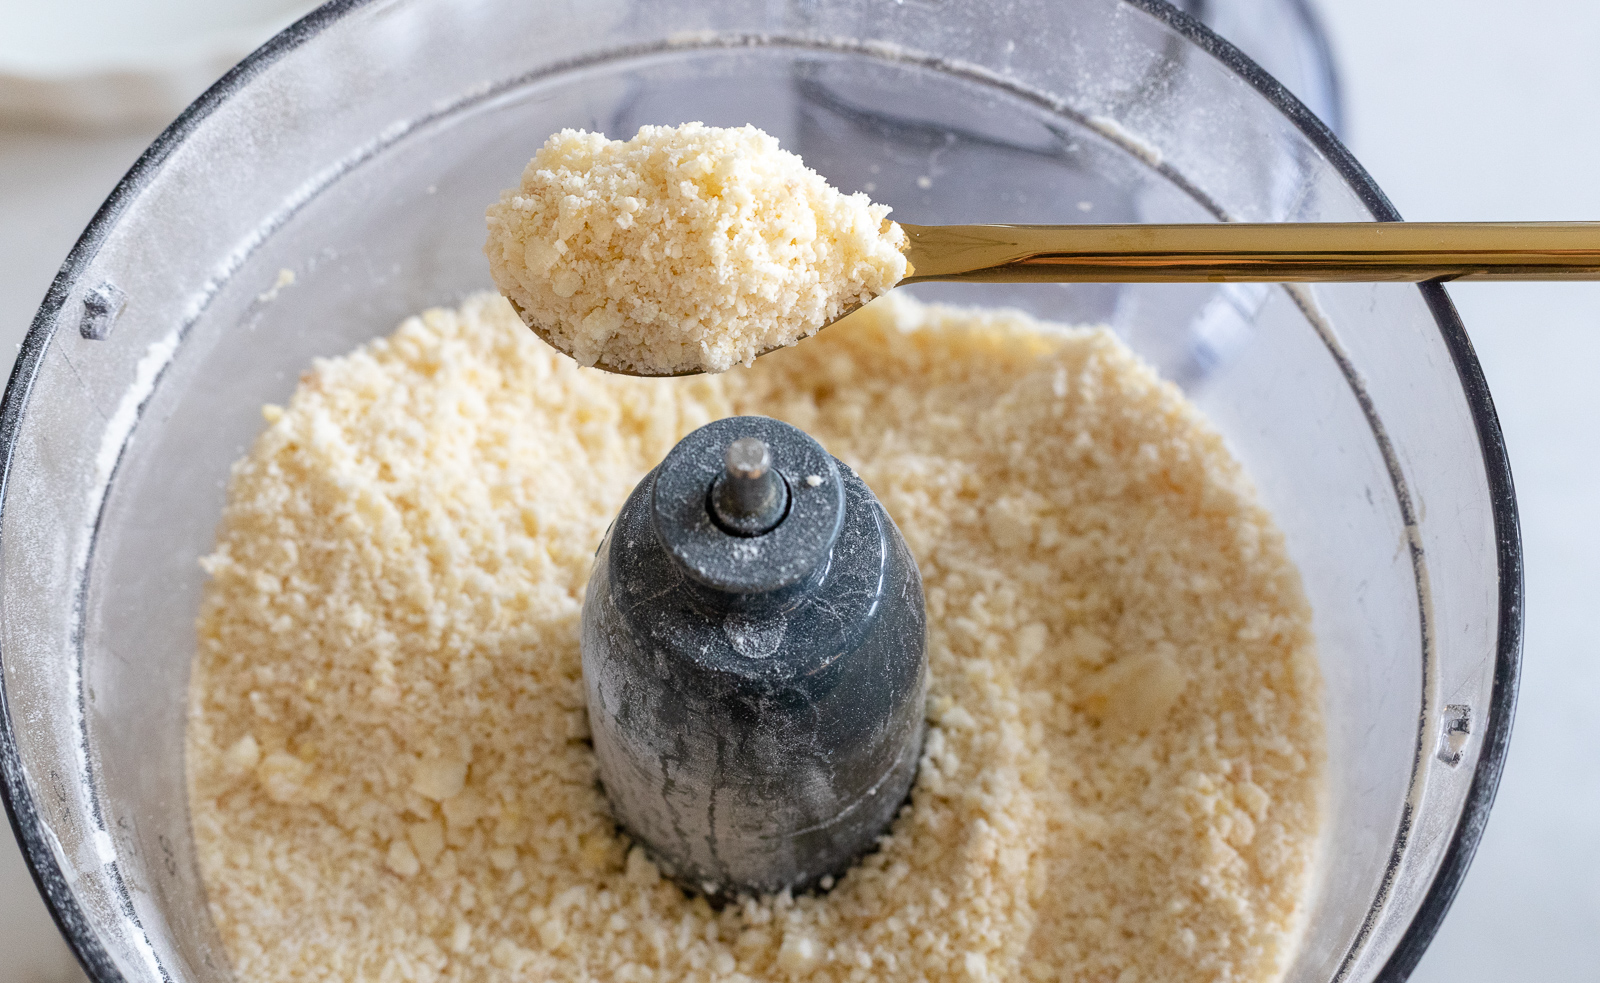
x=34, y=839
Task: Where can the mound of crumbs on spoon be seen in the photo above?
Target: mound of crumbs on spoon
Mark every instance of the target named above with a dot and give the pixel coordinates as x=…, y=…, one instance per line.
x=685, y=249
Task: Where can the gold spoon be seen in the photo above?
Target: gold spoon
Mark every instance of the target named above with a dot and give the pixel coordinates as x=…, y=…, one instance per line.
x=1230, y=252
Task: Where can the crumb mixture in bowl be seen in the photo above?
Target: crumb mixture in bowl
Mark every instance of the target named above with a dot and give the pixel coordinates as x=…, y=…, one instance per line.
x=387, y=751
x=685, y=249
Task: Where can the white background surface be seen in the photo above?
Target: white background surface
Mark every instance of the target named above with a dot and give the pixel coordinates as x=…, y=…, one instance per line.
x=123, y=34
x=1462, y=109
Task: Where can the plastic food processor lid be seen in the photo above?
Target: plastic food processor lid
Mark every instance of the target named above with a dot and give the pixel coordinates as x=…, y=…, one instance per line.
x=36, y=838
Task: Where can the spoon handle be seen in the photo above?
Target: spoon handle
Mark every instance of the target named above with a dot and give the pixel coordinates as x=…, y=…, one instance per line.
x=1264, y=253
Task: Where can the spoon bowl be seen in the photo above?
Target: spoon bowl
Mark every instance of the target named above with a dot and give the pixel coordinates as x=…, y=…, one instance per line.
x=545, y=336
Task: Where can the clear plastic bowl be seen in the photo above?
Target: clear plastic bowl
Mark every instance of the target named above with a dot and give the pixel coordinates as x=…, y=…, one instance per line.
x=358, y=150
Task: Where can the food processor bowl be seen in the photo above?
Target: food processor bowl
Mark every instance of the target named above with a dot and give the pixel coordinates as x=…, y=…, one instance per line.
x=1285, y=37
x=335, y=182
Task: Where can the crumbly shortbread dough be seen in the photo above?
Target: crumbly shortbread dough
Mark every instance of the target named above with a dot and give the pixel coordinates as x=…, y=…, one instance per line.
x=688, y=248
x=387, y=756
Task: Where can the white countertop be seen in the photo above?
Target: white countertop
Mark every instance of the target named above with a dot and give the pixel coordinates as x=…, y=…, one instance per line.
x=1462, y=109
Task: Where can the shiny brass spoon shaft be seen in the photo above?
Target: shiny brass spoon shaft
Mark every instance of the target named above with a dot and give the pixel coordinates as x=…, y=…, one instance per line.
x=1265, y=253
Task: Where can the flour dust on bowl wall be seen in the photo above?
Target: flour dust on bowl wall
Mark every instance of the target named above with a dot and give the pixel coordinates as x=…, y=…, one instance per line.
x=335, y=185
